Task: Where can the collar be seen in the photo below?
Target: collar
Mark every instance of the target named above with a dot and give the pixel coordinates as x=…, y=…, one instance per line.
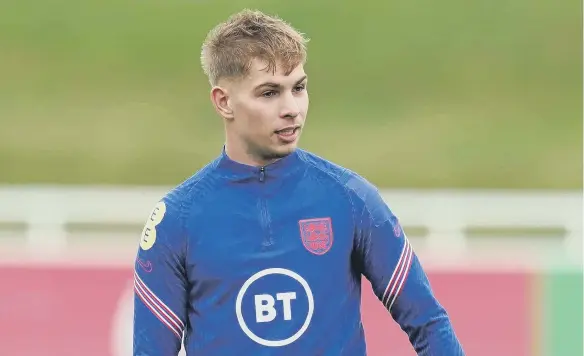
x=278, y=169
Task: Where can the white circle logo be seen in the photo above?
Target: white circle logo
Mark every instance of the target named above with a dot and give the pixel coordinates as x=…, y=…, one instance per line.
x=249, y=282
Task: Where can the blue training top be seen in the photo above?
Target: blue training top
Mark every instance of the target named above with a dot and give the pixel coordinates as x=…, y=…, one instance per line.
x=268, y=260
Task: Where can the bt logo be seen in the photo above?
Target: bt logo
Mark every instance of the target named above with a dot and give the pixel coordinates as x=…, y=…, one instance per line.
x=275, y=308
x=264, y=305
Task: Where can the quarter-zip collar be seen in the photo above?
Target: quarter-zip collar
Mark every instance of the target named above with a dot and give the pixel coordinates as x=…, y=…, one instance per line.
x=238, y=171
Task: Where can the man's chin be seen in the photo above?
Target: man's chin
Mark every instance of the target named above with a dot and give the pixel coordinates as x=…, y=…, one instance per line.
x=280, y=152
x=287, y=149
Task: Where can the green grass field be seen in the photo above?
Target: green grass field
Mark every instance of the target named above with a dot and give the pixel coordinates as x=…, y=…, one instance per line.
x=410, y=94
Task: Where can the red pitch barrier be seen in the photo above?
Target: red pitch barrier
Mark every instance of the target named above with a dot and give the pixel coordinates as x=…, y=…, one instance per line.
x=491, y=313
x=71, y=311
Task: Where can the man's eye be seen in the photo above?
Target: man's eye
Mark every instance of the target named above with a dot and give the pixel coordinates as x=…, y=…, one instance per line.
x=300, y=87
x=268, y=94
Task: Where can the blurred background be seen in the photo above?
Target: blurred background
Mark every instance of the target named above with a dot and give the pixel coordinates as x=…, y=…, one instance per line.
x=466, y=114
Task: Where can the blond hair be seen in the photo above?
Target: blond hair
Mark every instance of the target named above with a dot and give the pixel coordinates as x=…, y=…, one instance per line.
x=230, y=47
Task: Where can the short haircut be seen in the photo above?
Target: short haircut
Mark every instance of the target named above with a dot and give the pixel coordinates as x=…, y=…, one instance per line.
x=230, y=47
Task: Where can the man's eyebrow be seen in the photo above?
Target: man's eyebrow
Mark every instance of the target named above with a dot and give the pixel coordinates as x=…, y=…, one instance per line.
x=268, y=84
x=276, y=85
x=301, y=79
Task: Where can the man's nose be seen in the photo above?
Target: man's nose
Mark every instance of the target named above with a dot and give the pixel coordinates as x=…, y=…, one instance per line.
x=290, y=108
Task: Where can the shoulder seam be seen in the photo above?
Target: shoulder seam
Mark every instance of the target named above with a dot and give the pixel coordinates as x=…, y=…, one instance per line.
x=346, y=189
x=185, y=206
x=350, y=192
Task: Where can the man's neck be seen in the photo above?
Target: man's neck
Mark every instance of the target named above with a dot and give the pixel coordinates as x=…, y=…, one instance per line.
x=241, y=156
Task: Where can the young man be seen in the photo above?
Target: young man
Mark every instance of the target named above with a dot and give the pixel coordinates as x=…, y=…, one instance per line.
x=262, y=251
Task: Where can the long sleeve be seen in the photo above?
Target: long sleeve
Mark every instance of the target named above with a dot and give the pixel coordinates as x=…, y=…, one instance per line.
x=386, y=258
x=160, y=283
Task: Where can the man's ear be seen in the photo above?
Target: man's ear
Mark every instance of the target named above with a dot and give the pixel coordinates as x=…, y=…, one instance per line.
x=221, y=102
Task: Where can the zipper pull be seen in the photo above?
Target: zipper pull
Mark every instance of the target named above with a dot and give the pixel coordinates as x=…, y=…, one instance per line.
x=262, y=174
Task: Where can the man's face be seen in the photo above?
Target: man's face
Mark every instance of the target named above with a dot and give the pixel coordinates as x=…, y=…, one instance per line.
x=269, y=111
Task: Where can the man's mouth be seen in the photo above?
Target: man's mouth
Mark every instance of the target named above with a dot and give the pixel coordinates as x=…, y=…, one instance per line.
x=287, y=131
